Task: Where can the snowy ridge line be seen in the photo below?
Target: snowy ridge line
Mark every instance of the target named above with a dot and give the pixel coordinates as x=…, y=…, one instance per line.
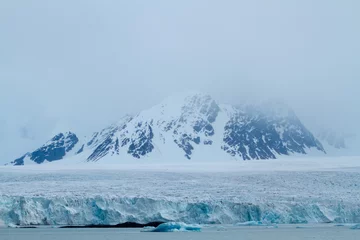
x=99, y=210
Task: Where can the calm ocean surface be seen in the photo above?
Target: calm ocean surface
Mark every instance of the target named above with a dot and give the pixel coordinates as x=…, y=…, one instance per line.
x=288, y=232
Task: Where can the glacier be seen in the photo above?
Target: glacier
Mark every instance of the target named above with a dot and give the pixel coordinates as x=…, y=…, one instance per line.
x=261, y=191
x=100, y=210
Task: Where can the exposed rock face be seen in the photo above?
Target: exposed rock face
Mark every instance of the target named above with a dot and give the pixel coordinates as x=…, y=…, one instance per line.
x=53, y=150
x=255, y=134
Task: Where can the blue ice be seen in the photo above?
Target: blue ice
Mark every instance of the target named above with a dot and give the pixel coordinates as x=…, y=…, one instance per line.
x=174, y=227
x=357, y=226
x=250, y=223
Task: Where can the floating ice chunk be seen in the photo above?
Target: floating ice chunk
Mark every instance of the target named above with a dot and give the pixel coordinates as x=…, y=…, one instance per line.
x=357, y=226
x=250, y=223
x=11, y=225
x=148, y=229
x=221, y=229
x=174, y=227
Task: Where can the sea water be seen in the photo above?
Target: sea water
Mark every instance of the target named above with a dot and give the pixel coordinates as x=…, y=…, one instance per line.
x=221, y=232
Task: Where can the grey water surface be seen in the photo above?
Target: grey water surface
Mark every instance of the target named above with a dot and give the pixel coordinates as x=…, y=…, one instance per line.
x=288, y=232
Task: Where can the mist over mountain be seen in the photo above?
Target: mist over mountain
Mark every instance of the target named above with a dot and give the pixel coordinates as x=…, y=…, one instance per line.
x=80, y=66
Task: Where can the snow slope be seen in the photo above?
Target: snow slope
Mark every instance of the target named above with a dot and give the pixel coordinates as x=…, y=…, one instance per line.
x=304, y=190
x=189, y=126
x=338, y=143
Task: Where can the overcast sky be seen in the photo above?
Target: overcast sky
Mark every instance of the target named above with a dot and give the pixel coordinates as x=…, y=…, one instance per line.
x=83, y=64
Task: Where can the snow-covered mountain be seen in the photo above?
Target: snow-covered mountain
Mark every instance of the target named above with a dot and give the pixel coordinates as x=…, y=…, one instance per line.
x=55, y=149
x=187, y=126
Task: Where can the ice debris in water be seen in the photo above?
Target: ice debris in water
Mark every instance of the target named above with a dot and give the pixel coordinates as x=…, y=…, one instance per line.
x=221, y=229
x=357, y=226
x=147, y=229
x=173, y=227
x=250, y=223
x=11, y=225
x=273, y=226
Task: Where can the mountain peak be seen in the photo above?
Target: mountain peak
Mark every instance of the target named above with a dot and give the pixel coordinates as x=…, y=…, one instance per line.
x=191, y=125
x=53, y=150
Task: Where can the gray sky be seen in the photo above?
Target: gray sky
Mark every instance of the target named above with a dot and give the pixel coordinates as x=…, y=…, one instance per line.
x=83, y=64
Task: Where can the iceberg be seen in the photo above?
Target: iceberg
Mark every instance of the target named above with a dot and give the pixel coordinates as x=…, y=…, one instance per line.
x=11, y=225
x=221, y=229
x=357, y=226
x=174, y=227
x=250, y=223
x=273, y=226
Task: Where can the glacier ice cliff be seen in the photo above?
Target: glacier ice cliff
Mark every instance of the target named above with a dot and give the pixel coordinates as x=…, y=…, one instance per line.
x=99, y=210
x=85, y=196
